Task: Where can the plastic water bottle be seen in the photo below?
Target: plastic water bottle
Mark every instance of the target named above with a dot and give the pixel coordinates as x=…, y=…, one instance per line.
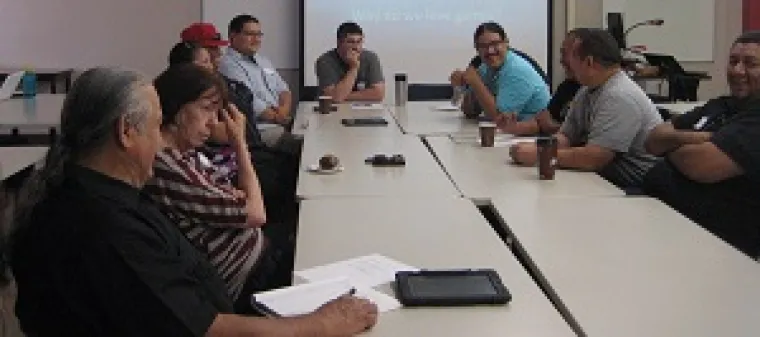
x=29, y=83
x=401, y=89
x=459, y=92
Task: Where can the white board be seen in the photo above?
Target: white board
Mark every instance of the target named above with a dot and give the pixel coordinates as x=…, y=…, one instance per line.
x=426, y=39
x=688, y=32
x=279, y=23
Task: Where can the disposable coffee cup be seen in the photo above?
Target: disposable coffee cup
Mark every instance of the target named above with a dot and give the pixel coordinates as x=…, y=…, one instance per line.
x=325, y=104
x=487, y=133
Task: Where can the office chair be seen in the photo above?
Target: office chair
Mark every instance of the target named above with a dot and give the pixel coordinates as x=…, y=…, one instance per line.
x=429, y=92
x=476, y=61
x=532, y=62
x=308, y=93
x=682, y=84
x=664, y=113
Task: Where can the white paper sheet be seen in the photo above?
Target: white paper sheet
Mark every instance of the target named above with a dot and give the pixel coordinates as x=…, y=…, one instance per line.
x=447, y=107
x=362, y=272
x=305, y=298
x=384, y=302
x=499, y=141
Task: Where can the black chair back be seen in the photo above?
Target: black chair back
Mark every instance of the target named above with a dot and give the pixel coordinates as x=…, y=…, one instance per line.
x=532, y=62
x=308, y=93
x=429, y=92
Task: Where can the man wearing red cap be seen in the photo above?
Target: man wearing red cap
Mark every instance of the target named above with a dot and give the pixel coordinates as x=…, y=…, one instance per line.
x=205, y=35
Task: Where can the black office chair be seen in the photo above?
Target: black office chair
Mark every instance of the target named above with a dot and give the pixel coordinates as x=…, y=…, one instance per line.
x=429, y=92
x=664, y=113
x=308, y=93
x=682, y=84
x=476, y=61
x=532, y=62
x=682, y=87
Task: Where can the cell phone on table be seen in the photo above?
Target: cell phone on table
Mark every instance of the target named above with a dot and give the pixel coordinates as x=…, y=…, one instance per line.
x=367, y=121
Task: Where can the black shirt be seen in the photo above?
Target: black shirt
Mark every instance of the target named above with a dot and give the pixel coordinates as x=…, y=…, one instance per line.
x=709, y=117
x=99, y=259
x=561, y=99
x=728, y=208
x=331, y=69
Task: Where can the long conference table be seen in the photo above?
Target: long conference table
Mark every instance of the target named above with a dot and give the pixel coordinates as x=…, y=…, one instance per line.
x=596, y=263
x=611, y=265
x=634, y=267
x=482, y=174
x=433, y=232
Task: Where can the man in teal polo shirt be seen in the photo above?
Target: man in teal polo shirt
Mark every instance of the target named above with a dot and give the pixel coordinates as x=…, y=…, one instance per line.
x=505, y=86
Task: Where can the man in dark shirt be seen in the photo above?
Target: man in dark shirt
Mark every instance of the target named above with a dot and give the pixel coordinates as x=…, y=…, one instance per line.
x=349, y=72
x=93, y=257
x=712, y=169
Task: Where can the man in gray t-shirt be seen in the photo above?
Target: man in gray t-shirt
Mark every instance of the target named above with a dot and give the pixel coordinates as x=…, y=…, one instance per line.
x=609, y=119
x=349, y=73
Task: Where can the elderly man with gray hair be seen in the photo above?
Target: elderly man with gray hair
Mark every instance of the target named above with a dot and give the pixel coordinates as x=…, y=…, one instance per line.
x=92, y=256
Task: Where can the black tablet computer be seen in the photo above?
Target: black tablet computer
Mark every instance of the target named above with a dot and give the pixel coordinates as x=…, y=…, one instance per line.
x=451, y=288
x=365, y=121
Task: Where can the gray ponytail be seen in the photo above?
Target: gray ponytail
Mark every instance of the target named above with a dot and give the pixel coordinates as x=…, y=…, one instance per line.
x=97, y=100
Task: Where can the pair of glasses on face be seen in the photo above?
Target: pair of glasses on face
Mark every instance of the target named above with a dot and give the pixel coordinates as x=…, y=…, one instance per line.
x=353, y=41
x=486, y=46
x=254, y=34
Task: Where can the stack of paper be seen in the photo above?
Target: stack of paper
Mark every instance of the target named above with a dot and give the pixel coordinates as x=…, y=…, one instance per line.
x=366, y=271
x=331, y=281
x=447, y=107
x=306, y=298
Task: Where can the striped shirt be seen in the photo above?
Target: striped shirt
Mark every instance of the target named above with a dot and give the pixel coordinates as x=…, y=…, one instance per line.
x=206, y=210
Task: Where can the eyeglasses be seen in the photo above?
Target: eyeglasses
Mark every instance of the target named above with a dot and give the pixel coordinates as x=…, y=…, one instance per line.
x=488, y=45
x=353, y=41
x=254, y=34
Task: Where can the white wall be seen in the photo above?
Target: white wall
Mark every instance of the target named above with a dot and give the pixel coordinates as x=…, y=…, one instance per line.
x=85, y=33
x=687, y=33
x=277, y=23
x=138, y=33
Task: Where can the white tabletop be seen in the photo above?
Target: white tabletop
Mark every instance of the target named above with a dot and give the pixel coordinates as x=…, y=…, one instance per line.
x=680, y=107
x=485, y=173
x=422, y=176
x=38, y=113
x=309, y=121
x=634, y=267
x=424, y=118
x=15, y=159
x=427, y=233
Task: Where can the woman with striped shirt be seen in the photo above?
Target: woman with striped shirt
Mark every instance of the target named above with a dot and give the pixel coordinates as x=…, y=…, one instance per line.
x=222, y=219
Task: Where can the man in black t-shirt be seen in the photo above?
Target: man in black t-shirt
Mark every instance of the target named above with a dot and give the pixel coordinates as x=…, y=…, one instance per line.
x=712, y=169
x=92, y=256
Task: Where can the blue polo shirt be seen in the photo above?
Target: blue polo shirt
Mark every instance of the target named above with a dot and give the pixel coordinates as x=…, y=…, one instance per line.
x=517, y=86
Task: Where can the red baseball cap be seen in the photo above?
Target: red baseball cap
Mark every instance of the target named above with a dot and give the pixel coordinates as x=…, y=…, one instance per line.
x=204, y=34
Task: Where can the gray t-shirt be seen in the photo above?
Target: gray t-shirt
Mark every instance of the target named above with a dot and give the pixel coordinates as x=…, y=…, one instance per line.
x=331, y=69
x=617, y=116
